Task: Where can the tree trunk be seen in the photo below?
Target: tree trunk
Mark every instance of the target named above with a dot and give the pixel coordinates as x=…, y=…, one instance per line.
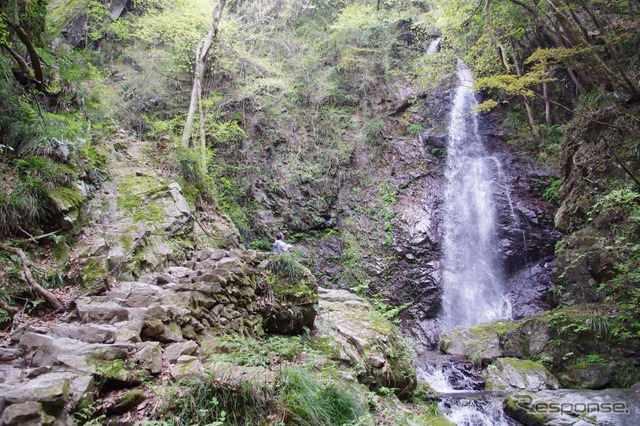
x=527, y=105
x=547, y=104
x=613, y=53
x=24, y=67
x=33, y=54
x=201, y=57
x=11, y=311
x=494, y=38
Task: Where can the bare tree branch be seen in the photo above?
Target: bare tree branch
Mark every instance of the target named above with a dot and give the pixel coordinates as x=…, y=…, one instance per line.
x=28, y=277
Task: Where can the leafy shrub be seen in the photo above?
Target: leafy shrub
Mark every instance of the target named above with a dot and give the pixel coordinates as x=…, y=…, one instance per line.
x=24, y=206
x=261, y=244
x=550, y=194
x=260, y=353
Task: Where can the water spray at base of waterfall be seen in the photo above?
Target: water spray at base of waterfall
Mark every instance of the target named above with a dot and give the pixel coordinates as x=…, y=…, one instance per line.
x=462, y=406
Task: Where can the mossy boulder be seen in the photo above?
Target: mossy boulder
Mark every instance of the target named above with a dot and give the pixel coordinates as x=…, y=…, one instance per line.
x=288, y=296
x=358, y=336
x=141, y=222
x=480, y=343
x=588, y=375
x=512, y=374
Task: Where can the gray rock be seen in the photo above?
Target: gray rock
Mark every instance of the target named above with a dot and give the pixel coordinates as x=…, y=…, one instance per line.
x=619, y=407
x=42, y=350
x=53, y=390
x=347, y=322
x=480, y=343
x=176, y=350
x=9, y=354
x=529, y=289
x=187, y=368
x=587, y=375
x=179, y=271
x=101, y=310
x=149, y=357
x=26, y=414
x=165, y=279
x=78, y=387
x=86, y=333
x=512, y=374
x=162, y=331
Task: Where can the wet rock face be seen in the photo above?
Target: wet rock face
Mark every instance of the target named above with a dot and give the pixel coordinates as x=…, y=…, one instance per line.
x=575, y=407
x=398, y=241
x=530, y=288
x=526, y=235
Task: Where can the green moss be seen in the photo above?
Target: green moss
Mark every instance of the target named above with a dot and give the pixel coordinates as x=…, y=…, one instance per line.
x=94, y=273
x=523, y=365
x=127, y=242
x=61, y=252
x=129, y=202
x=132, y=396
x=498, y=327
x=65, y=198
x=151, y=213
x=134, y=189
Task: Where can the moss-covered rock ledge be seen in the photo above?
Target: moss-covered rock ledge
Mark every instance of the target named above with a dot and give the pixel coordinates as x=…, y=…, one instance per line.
x=359, y=337
x=591, y=347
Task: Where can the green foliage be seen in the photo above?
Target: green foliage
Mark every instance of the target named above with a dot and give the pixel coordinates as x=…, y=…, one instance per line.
x=86, y=415
x=273, y=350
x=414, y=128
x=308, y=402
x=4, y=317
x=600, y=325
x=192, y=168
x=261, y=243
x=297, y=398
x=215, y=402
x=177, y=26
x=628, y=375
x=594, y=359
x=388, y=311
x=287, y=266
x=550, y=194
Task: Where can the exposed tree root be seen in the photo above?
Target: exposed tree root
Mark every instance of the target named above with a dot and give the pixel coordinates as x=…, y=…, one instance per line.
x=28, y=278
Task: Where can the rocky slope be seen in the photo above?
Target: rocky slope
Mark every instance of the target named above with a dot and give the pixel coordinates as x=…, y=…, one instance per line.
x=158, y=326
x=169, y=325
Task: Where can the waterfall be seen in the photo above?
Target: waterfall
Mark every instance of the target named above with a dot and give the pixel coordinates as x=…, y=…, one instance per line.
x=473, y=284
x=473, y=281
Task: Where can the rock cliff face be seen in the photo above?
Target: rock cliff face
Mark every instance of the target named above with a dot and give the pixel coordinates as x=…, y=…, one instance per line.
x=379, y=226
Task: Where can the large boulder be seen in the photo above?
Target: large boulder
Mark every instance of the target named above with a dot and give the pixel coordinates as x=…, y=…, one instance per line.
x=361, y=337
x=620, y=407
x=480, y=343
x=289, y=296
x=512, y=374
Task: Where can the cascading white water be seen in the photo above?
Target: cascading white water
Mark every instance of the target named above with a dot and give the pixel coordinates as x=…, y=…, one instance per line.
x=473, y=282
